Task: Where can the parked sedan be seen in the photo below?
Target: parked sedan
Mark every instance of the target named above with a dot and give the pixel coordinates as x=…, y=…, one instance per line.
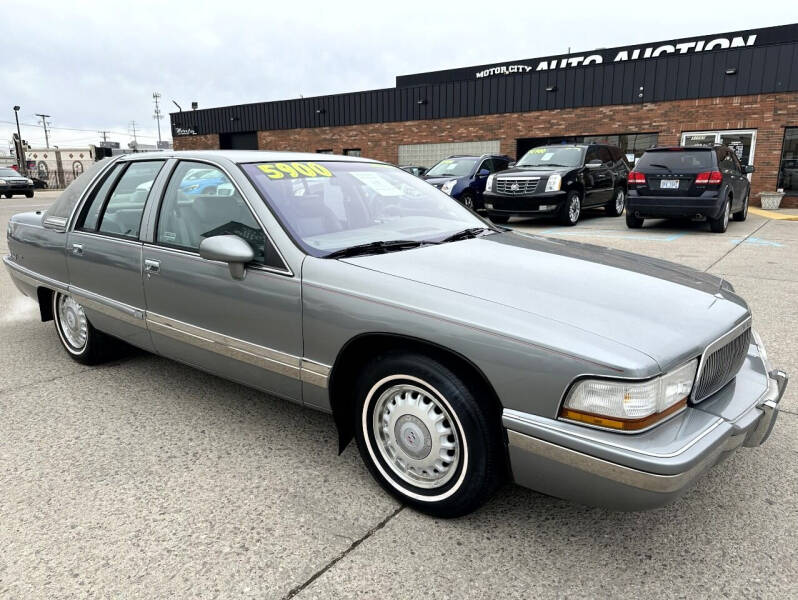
x=13, y=183
x=463, y=177
x=352, y=287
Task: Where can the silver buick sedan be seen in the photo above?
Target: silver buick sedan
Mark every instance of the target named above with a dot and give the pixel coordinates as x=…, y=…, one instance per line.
x=456, y=353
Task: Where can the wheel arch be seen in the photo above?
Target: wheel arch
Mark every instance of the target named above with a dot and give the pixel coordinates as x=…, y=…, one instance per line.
x=361, y=348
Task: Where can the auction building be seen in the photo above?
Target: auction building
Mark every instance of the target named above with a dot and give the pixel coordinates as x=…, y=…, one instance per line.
x=739, y=89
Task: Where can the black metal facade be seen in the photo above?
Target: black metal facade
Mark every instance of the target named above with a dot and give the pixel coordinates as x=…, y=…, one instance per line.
x=759, y=69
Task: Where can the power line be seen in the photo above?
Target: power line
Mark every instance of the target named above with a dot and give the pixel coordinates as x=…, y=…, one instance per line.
x=76, y=129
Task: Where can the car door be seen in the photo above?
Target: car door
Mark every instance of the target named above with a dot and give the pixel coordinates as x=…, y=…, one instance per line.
x=742, y=190
x=733, y=174
x=594, y=178
x=481, y=180
x=247, y=330
x=104, y=251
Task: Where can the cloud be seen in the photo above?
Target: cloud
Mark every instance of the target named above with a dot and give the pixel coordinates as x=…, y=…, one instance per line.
x=95, y=65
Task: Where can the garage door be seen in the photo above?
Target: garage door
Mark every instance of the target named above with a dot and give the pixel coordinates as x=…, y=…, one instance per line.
x=427, y=155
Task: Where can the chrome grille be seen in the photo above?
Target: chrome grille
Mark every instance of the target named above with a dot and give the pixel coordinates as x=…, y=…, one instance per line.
x=521, y=186
x=719, y=366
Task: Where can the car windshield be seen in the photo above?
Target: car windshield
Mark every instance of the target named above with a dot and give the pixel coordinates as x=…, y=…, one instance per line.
x=328, y=206
x=9, y=173
x=452, y=167
x=678, y=160
x=552, y=156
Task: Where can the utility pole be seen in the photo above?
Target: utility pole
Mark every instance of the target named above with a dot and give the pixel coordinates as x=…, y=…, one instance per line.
x=105, y=135
x=157, y=115
x=133, y=132
x=44, y=124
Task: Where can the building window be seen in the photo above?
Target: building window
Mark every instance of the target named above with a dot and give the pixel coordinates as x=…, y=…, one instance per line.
x=742, y=142
x=324, y=151
x=788, y=170
x=426, y=155
x=632, y=145
x=352, y=152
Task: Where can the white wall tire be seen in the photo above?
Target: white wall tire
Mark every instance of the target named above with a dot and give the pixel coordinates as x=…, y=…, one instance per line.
x=81, y=341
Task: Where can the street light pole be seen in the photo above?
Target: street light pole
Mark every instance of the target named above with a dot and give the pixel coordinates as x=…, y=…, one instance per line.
x=20, y=153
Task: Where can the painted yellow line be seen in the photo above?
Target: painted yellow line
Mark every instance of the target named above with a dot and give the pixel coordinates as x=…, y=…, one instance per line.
x=769, y=214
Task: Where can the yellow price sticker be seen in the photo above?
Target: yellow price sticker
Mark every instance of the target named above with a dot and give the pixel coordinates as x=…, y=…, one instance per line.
x=538, y=150
x=295, y=169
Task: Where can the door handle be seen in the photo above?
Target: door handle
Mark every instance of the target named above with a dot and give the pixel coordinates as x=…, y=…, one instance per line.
x=152, y=267
x=77, y=249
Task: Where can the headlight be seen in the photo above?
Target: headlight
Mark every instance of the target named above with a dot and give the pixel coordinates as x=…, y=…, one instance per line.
x=30, y=181
x=489, y=183
x=629, y=405
x=447, y=187
x=3, y=181
x=554, y=182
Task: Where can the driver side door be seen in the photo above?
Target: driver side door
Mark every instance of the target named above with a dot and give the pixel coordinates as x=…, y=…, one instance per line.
x=247, y=330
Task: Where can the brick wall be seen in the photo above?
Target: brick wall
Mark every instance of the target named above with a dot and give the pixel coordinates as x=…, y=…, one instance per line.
x=209, y=141
x=767, y=113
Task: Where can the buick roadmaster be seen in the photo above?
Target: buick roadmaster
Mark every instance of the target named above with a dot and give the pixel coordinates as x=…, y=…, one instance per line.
x=456, y=353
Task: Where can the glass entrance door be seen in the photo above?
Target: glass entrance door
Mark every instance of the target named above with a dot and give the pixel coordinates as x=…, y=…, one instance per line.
x=742, y=142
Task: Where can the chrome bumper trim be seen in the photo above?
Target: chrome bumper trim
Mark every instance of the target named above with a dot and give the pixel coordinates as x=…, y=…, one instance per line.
x=107, y=306
x=777, y=383
x=31, y=277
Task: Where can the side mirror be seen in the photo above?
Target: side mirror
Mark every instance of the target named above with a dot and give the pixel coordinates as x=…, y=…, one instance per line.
x=230, y=249
x=511, y=164
x=595, y=164
x=483, y=173
x=748, y=169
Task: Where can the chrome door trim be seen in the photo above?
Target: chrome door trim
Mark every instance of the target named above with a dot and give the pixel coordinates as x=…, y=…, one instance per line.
x=315, y=373
x=196, y=256
x=107, y=306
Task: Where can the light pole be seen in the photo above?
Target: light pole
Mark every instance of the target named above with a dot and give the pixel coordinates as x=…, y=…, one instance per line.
x=20, y=151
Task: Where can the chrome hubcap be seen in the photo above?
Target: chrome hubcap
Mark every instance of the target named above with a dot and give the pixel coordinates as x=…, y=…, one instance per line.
x=415, y=436
x=620, y=200
x=73, y=322
x=573, y=209
x=468, y=202
x=726, y=214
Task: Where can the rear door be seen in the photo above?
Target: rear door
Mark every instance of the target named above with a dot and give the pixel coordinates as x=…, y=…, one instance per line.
x=104, y=251
x=247, y=330
x=598, y=180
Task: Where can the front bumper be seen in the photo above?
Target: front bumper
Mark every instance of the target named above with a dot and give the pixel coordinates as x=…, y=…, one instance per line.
x=543, y=203
x=26, y=188
x=642, y=471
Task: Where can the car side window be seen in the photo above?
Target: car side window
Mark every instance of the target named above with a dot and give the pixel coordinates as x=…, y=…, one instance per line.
x=125, y=206
x=201, y=202
x=592, y=154
x=604, y=155
x=90, y=214
x=727, y=162
x=486, y=164
x=737, y=165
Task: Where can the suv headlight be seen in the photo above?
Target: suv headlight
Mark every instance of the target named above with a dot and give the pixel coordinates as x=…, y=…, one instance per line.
x=2, y=182
x=554, y=183
x=30, y=181
x=629, y=405
x=489, y=183
x=447, y=187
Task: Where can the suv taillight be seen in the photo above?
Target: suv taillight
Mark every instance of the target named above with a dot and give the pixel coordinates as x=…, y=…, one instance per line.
x=709, y=178
x=637, y=178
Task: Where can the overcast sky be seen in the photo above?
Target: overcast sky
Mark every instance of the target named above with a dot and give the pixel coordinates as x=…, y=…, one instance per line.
x=95, y=65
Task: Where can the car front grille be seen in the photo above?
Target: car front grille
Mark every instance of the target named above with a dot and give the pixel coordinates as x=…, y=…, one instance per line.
x=719, y=366
x=516, y=186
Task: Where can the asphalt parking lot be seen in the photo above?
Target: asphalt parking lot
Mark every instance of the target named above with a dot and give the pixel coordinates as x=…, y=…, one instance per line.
x=145, y=478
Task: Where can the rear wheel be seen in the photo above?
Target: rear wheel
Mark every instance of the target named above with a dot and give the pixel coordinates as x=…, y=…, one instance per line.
x=742, y=214
x=29, y=194
x=633, y=221
x=614, y=207
x=571, y=209
x=500, y=219
x=720, y=224
x=82, y=342
x=8, y=195
x=424, y=436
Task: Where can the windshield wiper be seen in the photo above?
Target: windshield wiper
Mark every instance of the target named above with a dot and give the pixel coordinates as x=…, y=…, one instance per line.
x=379, y=247
x=659, y=165
x=465, y=234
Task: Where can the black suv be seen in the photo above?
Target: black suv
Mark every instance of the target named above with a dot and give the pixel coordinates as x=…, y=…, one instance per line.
x=704, y=182
x=560, y=180
x=464, y=176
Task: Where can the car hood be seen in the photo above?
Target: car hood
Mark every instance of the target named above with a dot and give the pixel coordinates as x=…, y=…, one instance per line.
x=667, y=311
x=532, y=171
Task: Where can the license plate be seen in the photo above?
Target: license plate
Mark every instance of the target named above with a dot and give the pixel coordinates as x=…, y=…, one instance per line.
x=669, y=184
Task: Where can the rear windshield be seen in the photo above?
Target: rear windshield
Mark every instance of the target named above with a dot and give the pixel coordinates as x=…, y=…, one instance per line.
x=676, y=160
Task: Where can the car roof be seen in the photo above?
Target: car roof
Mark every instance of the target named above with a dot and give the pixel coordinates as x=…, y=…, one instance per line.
x=684, y=148
x=246, y=156
x=476, y=156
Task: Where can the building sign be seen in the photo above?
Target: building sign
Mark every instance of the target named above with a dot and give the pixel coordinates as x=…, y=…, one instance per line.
x=183, y=131
x=623, y=54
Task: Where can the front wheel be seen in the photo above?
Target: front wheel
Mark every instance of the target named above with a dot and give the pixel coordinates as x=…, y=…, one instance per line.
x=8, y=195
x=424, y=436
x=499, y=219
x=469, y=200
x=614, y=207
x=571, y=209
x=82, y=342
x=720, y=224
x=29, y=194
